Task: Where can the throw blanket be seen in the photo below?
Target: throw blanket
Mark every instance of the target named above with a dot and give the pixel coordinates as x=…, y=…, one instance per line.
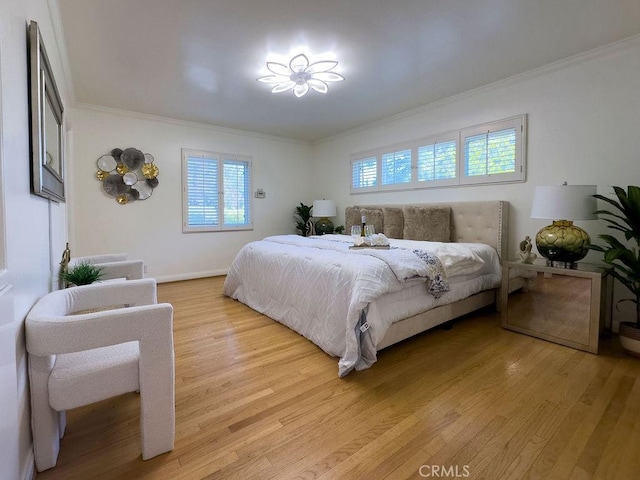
x=321, y=289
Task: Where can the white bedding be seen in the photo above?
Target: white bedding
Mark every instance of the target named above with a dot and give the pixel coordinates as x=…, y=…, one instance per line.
x=324, y=291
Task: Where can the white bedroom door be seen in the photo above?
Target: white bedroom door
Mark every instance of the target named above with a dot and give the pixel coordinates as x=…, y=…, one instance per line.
x=9, y=463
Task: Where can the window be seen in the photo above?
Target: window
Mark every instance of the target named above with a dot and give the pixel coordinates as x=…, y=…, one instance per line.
x=216, y=192
x=396, y=167
x=493, y=152
x=489, y=153
x=437, y=161
x=364, y=173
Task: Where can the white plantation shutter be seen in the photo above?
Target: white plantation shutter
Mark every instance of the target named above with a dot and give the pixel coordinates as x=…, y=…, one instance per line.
x=493, y=152
x=237, y=193
x=203, y=199
x=396, y=167
x=216, y=193
x=364, y=174
x=437, y=161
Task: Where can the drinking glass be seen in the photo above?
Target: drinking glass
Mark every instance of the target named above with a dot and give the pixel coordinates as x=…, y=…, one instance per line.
x=356, y=231
x=369, y=230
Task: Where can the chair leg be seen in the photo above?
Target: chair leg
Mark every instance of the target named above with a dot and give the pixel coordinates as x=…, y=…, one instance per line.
x=157, y=405
x=62, y=423
x=47, y=424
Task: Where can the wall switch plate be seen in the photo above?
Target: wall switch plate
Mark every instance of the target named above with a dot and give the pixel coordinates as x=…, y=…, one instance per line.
x=260, y=193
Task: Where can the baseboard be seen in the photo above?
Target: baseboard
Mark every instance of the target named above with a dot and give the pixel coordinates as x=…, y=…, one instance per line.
x=190, y=276
x=29, y=467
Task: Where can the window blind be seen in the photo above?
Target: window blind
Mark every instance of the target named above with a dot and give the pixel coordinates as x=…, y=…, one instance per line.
x=237, y=193
x=490, y=153
x=396, y=167
x=216, y=191
x=364, y=173
x=437, y=161
x=202, y=192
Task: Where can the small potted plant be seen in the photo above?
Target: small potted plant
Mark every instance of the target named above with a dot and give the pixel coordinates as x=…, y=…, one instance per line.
x=623, y=261
x=302, y=216
x=82, y=274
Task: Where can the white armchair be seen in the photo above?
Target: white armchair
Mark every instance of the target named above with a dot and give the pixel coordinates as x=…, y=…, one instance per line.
x=95, y=342
x=114, y=265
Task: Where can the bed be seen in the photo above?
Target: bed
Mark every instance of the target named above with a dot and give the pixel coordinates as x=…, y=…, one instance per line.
x=443, y=262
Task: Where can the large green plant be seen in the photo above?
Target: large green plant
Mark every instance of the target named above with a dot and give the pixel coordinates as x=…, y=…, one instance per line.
x=623, y=262
x=302, y=215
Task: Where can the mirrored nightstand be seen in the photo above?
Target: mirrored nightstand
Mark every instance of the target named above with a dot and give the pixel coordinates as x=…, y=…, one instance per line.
x=571, y=307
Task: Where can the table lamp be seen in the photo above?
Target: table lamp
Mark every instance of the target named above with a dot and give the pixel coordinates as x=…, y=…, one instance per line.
x=563, y=243
x=324, y=209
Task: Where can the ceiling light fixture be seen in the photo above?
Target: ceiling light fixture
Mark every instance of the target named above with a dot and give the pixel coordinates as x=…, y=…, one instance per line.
x=300, y=76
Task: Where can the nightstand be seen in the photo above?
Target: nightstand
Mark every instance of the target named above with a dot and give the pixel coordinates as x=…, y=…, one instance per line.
x=571, y=307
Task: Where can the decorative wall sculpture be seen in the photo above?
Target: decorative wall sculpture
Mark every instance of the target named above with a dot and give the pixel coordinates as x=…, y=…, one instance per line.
x=128, y=174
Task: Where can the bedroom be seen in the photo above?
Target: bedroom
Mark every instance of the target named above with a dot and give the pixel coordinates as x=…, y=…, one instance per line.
x=583, y=116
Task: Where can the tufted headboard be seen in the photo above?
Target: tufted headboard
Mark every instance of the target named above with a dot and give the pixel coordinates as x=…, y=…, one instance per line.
x=473, y=222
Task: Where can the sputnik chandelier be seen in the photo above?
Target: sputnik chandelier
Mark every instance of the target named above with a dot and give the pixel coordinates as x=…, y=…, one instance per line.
x=301, y=76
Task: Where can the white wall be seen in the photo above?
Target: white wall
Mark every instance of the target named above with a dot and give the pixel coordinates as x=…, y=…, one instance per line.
x=34, y=228
x=152, y=229
x=584, y=120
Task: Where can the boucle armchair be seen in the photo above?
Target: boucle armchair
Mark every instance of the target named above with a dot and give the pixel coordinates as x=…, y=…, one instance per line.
x=114, y=265
x=94, y=342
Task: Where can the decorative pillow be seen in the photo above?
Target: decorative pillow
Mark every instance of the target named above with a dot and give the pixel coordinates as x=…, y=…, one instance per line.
x=353, y=216
x=432, y=224
x=393, y=222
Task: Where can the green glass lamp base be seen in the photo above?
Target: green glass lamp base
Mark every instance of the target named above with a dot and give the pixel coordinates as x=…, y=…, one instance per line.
x=563, y=244
x=324, y=226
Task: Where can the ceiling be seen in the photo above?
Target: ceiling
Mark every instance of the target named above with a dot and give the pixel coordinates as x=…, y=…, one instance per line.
x=198, y=60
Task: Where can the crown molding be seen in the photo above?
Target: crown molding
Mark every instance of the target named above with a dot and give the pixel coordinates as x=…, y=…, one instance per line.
x=186, y=123
x=630, y=42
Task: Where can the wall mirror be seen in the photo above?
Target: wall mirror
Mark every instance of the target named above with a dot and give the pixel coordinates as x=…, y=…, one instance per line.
x=47, y=148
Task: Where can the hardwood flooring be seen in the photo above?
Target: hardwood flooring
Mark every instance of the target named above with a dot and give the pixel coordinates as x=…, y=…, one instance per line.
x=255, y=400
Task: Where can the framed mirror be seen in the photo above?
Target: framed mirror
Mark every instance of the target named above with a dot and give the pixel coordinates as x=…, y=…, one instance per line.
x=47, y=133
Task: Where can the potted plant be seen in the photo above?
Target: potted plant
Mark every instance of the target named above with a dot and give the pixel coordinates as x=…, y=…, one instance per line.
x=623, y=262
x=82, y=274
x=302, y=216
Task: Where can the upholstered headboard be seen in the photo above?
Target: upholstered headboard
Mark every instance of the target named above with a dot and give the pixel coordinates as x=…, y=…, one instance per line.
x=475, y=222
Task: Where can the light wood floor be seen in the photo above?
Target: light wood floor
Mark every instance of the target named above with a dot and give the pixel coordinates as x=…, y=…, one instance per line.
x=256, y=401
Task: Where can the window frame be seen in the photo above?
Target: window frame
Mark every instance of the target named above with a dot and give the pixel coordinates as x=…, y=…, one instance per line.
x=518, y=123
x=393, y=150
x=453, y=136
x=220, y=159
x=362, y=156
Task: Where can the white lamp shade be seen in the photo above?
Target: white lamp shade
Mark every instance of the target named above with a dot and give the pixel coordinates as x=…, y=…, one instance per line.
x=564, y=202
x=324, y=208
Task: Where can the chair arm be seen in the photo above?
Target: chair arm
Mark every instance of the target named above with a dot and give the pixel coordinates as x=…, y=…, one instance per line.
x=97, y=295
x=107, y=258
x=52, y=335
x=129, y=269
